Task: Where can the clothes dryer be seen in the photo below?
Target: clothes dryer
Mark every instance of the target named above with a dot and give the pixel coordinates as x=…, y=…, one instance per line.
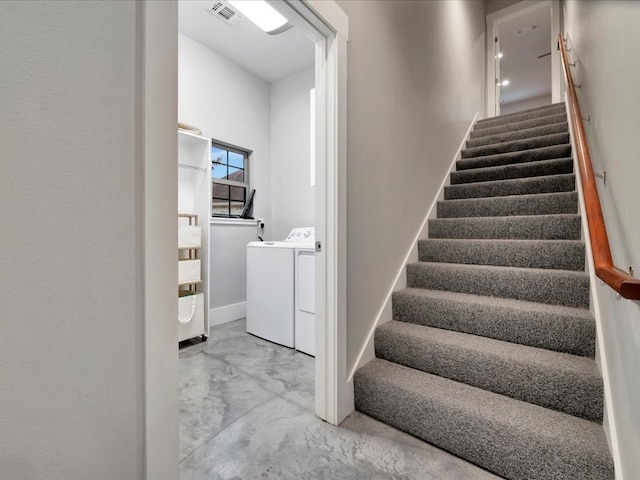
x=305, y=300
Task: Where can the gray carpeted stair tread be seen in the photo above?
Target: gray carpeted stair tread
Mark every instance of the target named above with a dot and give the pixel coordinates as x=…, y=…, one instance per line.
x=514, y=439
x=511, y=116
x=518, y=135
x=555, y=287
x=523, y=125
x=517, y=170
x=515, y=186
x=522, y=156
x=520, y=116
x=551, y=254
x=541, y=227
x=560, y=381
x=492, y=341
x=516, y=145
x=539, y=204
x=562, y=329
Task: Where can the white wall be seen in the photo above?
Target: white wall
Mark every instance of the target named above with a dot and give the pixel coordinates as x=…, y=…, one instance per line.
x=292, y=196
x=413, y=89
x=232, y=105
x=72, y=341
x=507, y=108
x=605, y=41
x=228, y=290
x=229, y=104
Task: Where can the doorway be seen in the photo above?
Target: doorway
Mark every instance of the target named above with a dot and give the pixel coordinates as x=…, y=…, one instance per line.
x=329, y=25
x=523, y=64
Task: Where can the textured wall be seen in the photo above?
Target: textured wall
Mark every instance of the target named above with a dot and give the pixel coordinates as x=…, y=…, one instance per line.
x=605, y=42
x=413, y=89
x=71, y=344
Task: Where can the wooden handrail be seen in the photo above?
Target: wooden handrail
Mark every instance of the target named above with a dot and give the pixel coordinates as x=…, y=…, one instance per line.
x=626, y=285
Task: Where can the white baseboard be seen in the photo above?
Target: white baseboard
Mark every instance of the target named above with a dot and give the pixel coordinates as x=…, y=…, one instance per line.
x=227, y=313
x=385, y=313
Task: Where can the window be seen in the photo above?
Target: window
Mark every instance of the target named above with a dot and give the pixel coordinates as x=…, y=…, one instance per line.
x=229, y=179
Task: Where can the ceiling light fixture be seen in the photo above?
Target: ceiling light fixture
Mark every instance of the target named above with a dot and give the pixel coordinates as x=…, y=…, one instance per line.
x=262, y=14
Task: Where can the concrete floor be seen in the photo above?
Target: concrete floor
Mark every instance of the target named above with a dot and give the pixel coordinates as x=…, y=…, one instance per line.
x=246, y=412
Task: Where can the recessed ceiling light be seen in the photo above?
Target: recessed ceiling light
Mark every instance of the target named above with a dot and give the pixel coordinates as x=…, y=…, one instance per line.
x=260, y=13
x=505, y=83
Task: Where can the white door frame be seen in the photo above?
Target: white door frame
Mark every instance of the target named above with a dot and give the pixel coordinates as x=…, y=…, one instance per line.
x=158, y=20
x=512, y=11
x=328, y=26
x=158, y=102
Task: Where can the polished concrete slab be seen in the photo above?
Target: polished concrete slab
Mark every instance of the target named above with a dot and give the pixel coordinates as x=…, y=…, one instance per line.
x=246, y=412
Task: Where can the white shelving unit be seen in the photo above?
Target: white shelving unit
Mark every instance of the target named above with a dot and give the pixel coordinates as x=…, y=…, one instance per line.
x=194, y=208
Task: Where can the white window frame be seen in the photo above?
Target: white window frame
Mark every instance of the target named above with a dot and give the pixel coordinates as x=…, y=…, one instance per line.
x=246, y=153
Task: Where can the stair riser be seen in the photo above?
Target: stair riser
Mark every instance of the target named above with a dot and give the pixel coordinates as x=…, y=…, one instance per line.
x=510, y=172
x=527, y=228
x=498, y=445
x=509, y=119
x=552, y=330
x=570, y=289
x=534, y=155
x=545, y=204
x=510, y=116
x=525, y=186
x=539, y=384
x=524, y=125
x=516, y=146
x=558, y=255
x=518, y=135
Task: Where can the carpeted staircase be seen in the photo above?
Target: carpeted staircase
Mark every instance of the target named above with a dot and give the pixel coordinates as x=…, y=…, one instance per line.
x=491, y=351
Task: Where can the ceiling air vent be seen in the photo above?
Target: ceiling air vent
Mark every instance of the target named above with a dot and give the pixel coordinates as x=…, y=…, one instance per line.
x=224, y=12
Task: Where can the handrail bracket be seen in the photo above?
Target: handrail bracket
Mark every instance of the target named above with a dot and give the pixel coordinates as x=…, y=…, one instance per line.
x=602, y=176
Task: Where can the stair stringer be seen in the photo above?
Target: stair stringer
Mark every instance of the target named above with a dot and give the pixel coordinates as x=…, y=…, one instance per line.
x=608, y=417
x=385, y=314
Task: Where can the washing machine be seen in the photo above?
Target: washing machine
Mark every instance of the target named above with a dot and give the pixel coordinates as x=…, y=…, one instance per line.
x=271, y=286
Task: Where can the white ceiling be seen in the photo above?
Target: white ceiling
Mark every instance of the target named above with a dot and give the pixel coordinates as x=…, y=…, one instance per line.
x=529, y=76
x=270, y=57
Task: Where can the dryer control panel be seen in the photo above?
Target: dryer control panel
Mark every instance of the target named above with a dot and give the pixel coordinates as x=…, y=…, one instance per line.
x=305, y=235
